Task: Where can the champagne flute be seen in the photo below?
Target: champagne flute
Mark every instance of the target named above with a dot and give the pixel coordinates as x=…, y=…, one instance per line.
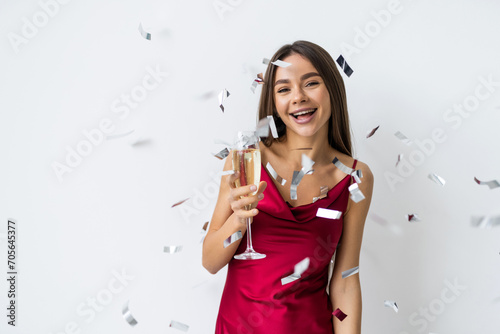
x=246, y=161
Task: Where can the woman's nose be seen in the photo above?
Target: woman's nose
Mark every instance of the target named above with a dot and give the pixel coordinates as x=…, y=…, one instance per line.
x=299, y=96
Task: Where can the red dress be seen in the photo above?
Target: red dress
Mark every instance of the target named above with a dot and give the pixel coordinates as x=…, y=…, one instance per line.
x=254, y=301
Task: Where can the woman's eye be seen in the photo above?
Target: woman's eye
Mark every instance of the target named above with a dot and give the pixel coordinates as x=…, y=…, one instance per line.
x=312, y=83
x=282, y=90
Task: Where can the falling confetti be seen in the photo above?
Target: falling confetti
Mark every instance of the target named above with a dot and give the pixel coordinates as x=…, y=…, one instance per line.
x=400, y=156
x=275, y=175
x=403, y=138
x=222, y=154
x=233, y=238
x=342, y=167
x=144, y=34
x=204, y=228
x=327, y=213
x=339, y=314
x=172, y=249
x=223, y=95
x=350, y=272
x=272, y=126
x=356, y=194
x=372, y=132
x=128, y=316
x=345, y=67
x=281, y=63
x=412, y=218
x=179, y=203
x=323, y=193
x=227, y=172
x=307, y=164
x=391, y=304
x=485, y=221
x=119, y=135
x=266, y=61
x=258, y=81
x=179, y=326
x=262, y=128
x=491, y=184
x=438, y=179
x=298, y=270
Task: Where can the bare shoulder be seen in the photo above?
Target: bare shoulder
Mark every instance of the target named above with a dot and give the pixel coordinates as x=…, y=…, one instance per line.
x=366, y=171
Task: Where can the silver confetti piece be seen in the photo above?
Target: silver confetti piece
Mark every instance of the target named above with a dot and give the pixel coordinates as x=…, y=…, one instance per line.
x=356, y=194
x=438, y=179
x=392, y=304
x=281, y=63
x=412, y=218
x=342, y=167
x=350, y=272
x=272, y=126
x=298, y=270
x=118, y=135
x=329, y=214
x=372, y=132
x=307, y=163
x=172, y=249
x=223, y=95
x=403, y=138
x=485, y=221
x=144, y=34
x=262, y=128
x=345, y=67
x=491, y=184
x=222, y=154
x=233, y=238
x=254, y=86
x=323, y=193
x=275, y=175
x=266, y=61
x=296, y=178
x=357, y=174
x=400, y=156
x=179, y=326
x=258, y=81
x=128, y=316
x=227, y=172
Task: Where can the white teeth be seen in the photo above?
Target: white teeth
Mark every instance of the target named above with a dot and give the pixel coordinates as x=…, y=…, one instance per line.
x=304, y=112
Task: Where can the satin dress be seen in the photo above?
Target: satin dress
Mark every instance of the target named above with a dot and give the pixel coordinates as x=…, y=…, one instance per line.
x=254, y=300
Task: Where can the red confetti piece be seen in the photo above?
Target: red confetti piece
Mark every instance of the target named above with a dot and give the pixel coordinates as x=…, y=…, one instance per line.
x=339, y=314
x=179, y=203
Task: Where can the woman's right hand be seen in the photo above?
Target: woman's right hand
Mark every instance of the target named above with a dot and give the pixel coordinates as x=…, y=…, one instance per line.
x=241, y=197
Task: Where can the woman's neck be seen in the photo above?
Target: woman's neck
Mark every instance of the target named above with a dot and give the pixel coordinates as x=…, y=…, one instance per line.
x=316, y=147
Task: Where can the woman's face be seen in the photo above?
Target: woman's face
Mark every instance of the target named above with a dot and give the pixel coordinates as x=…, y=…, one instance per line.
x=301, y=98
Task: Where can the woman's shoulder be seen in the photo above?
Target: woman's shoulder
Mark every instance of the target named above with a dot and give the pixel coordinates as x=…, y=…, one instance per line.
x=360, y=165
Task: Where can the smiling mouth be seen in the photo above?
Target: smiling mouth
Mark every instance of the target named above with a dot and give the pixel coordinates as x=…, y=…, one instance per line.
x=304, y=113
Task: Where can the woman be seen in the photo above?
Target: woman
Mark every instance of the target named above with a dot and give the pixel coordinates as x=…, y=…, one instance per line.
x=308, y=103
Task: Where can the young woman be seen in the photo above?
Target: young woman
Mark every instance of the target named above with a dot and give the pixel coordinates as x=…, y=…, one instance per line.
x=308, y=103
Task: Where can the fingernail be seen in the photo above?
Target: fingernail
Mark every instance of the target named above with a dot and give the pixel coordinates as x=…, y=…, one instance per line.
x=261, y=196
x=254, y=211
x=253, y=188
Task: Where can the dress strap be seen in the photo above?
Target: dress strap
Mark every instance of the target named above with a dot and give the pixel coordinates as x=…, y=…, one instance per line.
x=354, y=164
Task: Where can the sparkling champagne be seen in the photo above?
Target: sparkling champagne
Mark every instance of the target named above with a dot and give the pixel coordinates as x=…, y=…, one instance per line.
x=247, y=162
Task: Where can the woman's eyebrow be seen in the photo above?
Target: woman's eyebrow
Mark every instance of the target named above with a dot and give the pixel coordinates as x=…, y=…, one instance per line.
x=304, y=77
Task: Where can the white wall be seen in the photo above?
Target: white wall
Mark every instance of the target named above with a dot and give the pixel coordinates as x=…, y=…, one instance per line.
x=113, y=211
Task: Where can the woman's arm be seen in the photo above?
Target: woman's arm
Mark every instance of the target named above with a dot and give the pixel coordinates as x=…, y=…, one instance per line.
x=345, y=294
x=228, y=218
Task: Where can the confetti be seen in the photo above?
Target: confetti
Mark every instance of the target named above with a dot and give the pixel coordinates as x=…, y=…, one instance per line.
x=179, y=326
x=327, y=213
x=342, y=167
x=438, y=179
x=400, y=156
x=179, y=203
x=172, y=249
x=296, y=178
x=223, y=95
x=266, y=61
x=356, y=194
x=491, y=184
x=118, y=135
x=339, y=314
x=275, y=175
x=272, y=126
x=144, y=34
x=350, y=272
x=403, y=138
x=205, y=226
x=258, y=81
x=222, y=154
x=233, y=238
x=263, y=128
x=344, y=66
x=378, y=219
x=128, y=316
x=307, y=163
x=227, y=172
x=280, y=63
x=298, y=270
x=323, y=193
x=485, y=221
x=412, y=218
x=391, y=304
x=372, y=132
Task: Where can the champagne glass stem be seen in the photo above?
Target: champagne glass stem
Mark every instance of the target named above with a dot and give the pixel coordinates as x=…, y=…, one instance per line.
x=249, y=236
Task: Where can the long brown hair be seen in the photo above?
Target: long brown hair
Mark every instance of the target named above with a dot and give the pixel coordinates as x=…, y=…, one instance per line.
x=339, y=131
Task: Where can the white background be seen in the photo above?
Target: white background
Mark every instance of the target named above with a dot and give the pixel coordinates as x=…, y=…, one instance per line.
x=113, y=211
